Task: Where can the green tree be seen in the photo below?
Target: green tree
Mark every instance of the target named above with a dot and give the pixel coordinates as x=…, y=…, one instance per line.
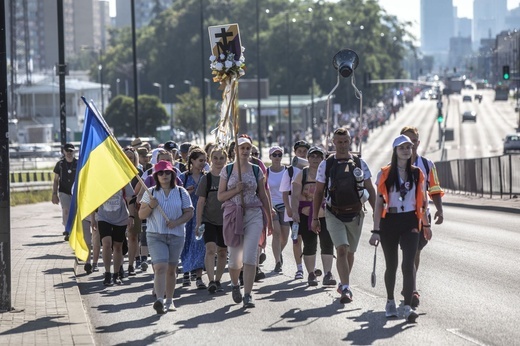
x=188, y=113
x=120, y=115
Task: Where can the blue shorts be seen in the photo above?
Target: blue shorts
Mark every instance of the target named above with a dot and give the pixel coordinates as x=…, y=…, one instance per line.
x=165, y=248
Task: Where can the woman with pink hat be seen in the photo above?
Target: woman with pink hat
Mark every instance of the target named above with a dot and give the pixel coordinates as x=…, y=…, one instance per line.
x=167, y=207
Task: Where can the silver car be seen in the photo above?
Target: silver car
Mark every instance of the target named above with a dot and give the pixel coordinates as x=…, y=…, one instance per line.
x=512, y=143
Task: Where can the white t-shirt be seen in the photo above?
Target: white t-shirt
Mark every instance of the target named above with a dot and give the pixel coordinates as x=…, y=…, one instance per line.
x=274, y=180
x=286, y=185
x=408, y=202
x=320, y=175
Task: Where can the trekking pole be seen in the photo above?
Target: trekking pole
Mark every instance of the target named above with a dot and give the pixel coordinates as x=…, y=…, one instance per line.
x=373, y=278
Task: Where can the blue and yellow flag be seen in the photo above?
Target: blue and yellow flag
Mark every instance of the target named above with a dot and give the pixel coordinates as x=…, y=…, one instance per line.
x=103, y=169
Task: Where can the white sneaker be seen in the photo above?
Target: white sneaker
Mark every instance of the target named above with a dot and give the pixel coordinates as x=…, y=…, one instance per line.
x=409, y=314
x=391, y=310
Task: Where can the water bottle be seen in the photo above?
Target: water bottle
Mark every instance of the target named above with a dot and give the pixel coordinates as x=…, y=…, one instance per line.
x=202, y=228
x=294, y=231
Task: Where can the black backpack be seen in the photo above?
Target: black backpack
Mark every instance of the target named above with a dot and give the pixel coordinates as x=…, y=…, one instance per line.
x=344, y=191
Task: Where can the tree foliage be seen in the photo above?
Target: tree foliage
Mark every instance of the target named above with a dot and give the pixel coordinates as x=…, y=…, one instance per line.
x=296, y=46
x=121, y=116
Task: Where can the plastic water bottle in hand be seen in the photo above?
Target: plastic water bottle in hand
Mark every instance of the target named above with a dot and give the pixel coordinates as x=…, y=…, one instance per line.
x=294, y=230
x=202, y=228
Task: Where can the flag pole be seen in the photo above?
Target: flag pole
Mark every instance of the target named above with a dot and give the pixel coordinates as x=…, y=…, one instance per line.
x=98, y=115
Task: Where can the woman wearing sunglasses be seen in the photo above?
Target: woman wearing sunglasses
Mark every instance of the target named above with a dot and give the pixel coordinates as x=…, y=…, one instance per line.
x=398, y=218
x=165, y=235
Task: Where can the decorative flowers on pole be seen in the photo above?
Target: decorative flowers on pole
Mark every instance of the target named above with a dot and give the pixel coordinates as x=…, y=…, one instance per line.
x=227, y=63
x=225, y=68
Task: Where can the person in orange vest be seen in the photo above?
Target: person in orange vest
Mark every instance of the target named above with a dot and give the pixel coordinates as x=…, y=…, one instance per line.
x=398, y=219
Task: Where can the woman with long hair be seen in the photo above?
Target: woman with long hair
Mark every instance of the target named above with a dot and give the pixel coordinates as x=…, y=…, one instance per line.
x=398, y=218
x=192, y=256
x=209, y=214
x=165, y=236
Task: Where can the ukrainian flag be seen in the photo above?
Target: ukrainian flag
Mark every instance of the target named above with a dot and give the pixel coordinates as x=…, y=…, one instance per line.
x=103, y=169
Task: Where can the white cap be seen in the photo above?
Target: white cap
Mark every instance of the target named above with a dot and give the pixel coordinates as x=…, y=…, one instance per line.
x=400, y=140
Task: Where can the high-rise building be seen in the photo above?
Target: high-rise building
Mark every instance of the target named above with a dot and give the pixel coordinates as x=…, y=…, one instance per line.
x=437, y=26
x=145, y=11
x=488, y=19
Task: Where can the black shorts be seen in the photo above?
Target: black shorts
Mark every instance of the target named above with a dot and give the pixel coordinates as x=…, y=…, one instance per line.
x=422, y=241
x=213, y=234
x=108, y=230
x=310, y=239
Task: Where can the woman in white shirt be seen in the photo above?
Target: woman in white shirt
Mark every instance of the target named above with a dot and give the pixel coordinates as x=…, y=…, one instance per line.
x=166, y=230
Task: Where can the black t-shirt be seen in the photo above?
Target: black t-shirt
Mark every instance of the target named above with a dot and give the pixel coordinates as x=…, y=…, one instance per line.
x=67, y=172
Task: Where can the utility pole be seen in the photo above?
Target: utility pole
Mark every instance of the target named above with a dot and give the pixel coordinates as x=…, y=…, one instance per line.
x=62, y=71
x=134, y=58
x=5, y=197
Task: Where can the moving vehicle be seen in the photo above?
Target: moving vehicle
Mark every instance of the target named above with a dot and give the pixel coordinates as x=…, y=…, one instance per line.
x=512, y=143
x=466, y=98
x=469, y=116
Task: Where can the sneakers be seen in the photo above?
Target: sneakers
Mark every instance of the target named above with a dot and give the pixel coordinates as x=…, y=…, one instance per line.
x=390, y=309
x=262, y=258
x=88, y=268
x=346, y=296
x=117, y=279
x=168, y=306
x=138, y=262
x=299, y=275
x=144, y=266
x=311, y=280
x=328, y=280
x=278, y=267
x=200, y=284
x=66, y=237
x=193, y=276
x=248, y=301
x=108, y=279
x=159, y=307
x=219, y=286
x=185, y=279
x=95, y=267
x=131, y=271
x=235, y=293
x=212, y=287
x=415, y=300
x=409, y=314
x=260, y=275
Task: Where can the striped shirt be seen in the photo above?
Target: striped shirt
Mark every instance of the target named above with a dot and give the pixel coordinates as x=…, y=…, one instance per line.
x=173, y=204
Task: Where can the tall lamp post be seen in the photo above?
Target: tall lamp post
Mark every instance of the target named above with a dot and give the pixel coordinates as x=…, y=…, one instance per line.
x=171, y=86
x=158, y=85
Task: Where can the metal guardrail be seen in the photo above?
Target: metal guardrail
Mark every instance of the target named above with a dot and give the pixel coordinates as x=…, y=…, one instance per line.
x=493, y=176
x=31, y=186
x=30, y=176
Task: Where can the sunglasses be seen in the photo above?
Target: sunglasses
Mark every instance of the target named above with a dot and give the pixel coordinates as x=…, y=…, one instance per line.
x=161, y=173
x=69, y=150
x=276, y=155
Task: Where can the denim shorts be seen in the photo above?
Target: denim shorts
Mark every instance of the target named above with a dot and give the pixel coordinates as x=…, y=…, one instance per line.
x=165, y=248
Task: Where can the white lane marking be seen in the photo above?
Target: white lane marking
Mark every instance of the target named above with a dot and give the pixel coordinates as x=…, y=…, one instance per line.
x=457, y=332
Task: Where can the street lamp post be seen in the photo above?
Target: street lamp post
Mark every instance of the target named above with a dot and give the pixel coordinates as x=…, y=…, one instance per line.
x=207, y=80
x=117, y=85
x=171, y=86
x=158, y=85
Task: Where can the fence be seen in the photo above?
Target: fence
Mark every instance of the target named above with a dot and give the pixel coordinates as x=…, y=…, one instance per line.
x=26, y=181
x=493, y=176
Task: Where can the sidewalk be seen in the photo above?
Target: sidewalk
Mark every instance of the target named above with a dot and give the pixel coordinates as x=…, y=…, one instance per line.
x=48, y=308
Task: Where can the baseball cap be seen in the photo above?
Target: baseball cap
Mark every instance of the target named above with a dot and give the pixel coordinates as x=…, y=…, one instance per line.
x=136, y=142
x=274, y=149
x=316, y=150
x=69, y=146
x=301, y=143
x=243, y=140
x=185, y=147
x=400, y=140
x=171, y=145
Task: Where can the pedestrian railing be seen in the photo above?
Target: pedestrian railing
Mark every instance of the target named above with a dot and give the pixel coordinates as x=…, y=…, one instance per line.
x=493, y=176
x=31, y=176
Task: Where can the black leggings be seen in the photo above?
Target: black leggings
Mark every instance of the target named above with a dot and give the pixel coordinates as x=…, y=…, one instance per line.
x=310, y=239
x=396, y=229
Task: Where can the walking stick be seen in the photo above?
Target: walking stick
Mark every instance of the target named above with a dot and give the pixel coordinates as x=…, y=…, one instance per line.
x=373, y=278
